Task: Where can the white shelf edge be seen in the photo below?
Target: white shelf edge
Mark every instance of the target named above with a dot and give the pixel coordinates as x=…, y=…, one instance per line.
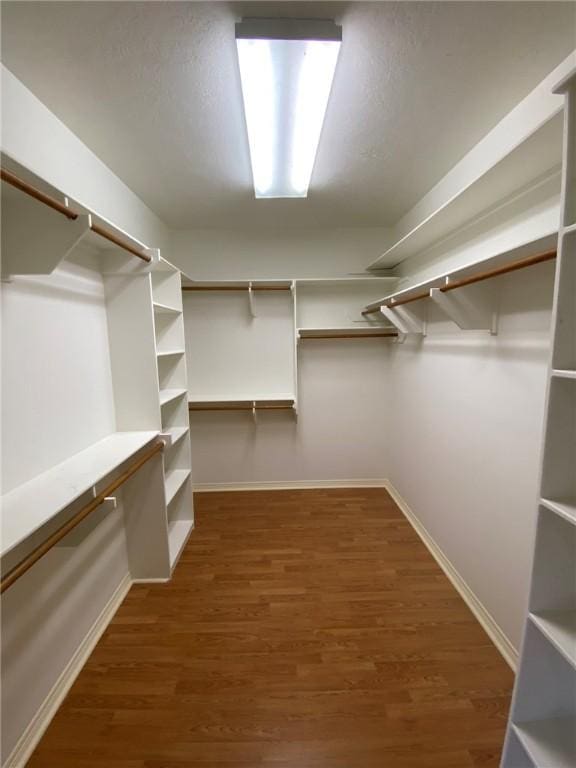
x=176, y=434
x=169, y=352
x=159, y=307
x=564, y=373
x=167, y=395
x=568, y=229
x=178, y=534
x=559, y=627
x=565, y=509
x=549, y=743
x=174, y=480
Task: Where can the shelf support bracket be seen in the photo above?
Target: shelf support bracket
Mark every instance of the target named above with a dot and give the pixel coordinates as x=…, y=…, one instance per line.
x=398, y=322
x=251, y=300
x=469, y=309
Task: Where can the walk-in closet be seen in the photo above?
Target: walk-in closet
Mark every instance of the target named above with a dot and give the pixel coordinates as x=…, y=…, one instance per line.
x=288, y=467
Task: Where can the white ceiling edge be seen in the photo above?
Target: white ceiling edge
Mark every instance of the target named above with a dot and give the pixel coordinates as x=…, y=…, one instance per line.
x=521, y=123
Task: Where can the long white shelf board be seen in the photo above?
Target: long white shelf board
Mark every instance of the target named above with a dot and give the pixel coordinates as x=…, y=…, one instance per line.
x=167, y=395
x=550, y=743
x=178, y=534
x=260, y=398
x=175, y=479
x=566, y=508
x=31, y=505
x=560, y=628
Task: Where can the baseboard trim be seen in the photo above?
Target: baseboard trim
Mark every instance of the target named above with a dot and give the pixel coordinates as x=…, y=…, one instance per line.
x=286, y=485
x=29, y=740
x=492, y=629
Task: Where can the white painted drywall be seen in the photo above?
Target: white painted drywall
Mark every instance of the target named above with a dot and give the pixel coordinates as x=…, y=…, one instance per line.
x=338, y=435
x=209, y=254
x=56, y=377
x=36, y=138
x=466, y=412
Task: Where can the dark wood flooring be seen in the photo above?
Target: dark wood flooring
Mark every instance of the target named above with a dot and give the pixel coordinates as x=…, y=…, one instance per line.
x=302, y=629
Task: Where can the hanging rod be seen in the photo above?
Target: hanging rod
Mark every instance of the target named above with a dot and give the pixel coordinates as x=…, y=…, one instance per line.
x=255, y=287
x=24, y=565
x=56, y=205
x=451, y=286
x=383, y=335
x=241, y=405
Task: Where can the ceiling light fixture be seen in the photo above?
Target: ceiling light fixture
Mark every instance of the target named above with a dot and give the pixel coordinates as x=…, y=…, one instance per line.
x=286, y=68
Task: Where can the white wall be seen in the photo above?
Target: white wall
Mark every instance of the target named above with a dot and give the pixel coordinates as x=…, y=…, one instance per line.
x=466, y=412
x=339, y=433
x=237, y=255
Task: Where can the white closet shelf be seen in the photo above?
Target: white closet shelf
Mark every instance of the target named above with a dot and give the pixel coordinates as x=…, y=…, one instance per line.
x=169, y=352
x=550, y=743
x=350, y=280
x=560, y=628
x=564, y=373
x=166, y=309
x=422, y=289
x=176, y=434
x=174, y=480
x=33, y=504
x=178, y=533
x=167, y=395
x=565, y=508
x=242, y=403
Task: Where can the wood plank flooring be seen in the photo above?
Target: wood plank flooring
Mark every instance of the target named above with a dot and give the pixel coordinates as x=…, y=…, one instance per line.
x=302, y=629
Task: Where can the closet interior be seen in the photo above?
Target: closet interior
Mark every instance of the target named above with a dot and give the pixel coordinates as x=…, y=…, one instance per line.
x=145, y=362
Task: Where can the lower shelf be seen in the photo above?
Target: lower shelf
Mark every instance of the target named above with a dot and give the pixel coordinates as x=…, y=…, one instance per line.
x=550, y=743
x=560, y=628
x=356, y=332
x=565, y=508
x=267, y=404
x=174, y=480
x=178, y=533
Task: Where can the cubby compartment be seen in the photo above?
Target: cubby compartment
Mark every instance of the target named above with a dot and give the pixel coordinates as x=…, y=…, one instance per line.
x=545, y=710
x=515, y=754
x=559, y=473
x=172, y=371
x=169, y=332
x=175, y=414
x=166, y=290
x=553, y=594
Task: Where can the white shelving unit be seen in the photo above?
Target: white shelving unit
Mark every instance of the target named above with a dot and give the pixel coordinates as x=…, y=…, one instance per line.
x=172, y=398
x=542, y=727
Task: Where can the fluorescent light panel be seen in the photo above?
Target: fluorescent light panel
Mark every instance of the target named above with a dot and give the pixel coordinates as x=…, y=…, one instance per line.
x=286, y=68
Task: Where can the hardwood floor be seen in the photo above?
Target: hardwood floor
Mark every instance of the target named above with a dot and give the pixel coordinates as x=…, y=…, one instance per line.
x=302, y=629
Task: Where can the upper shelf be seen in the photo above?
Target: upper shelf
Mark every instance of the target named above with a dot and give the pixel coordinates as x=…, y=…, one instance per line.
x=33, y=504
x=531, y=170
x=41, y=227
x=540, y=250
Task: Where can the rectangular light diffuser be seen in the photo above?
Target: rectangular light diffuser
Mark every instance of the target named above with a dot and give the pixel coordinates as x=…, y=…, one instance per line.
x=286, y=68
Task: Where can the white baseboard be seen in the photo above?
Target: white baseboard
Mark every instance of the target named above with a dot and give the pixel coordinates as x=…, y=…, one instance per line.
x=287, y=485
x=492, y=629
x=29, y=740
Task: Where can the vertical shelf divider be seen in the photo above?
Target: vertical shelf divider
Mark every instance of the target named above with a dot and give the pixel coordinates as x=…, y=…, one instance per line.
x=542, y=724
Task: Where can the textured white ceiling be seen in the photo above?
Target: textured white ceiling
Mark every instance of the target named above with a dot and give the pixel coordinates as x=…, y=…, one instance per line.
x=153, y=89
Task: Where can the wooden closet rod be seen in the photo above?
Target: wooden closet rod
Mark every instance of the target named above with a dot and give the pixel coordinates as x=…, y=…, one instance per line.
x=56, y=205
x=24, y=565
x=235, y=287
x=486, y=275
x=382, y=335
